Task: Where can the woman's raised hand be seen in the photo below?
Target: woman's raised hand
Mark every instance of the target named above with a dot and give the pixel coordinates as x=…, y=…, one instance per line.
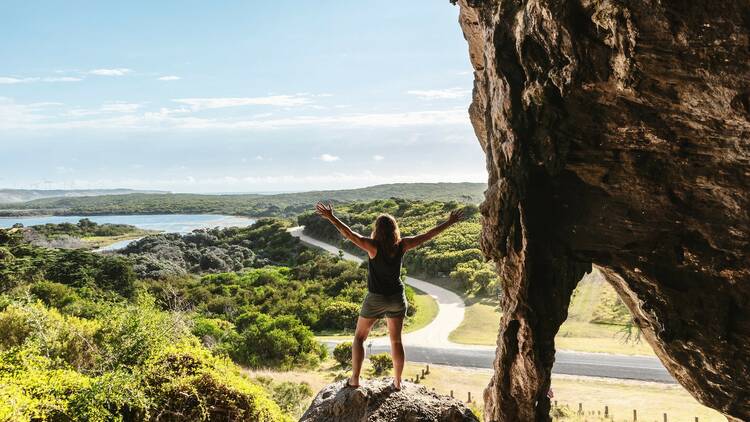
x=456, y=216
x=323, y=210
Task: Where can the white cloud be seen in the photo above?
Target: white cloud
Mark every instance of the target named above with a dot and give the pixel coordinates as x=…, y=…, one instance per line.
x=120, y=107
x=10, y=80
x=106, y=108
x=328, y=158
x=378, y=157
x=440, y=94
x=62, y=79
x=271, y=100
x=170, y=78
x=120, y=71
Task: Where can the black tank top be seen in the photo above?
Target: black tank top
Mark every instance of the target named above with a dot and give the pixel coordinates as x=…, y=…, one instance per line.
x=384, y=272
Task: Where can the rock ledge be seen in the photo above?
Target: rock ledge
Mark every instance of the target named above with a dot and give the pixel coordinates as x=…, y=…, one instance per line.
x=376, y=400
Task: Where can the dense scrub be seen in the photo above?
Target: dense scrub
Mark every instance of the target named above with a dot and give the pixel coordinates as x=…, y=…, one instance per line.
x=213, y=250
x=84, y=228
x=125, y=361
x=455, y=252
x=82, y=338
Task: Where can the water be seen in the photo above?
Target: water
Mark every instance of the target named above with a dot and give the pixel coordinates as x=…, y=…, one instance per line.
x=169, y=223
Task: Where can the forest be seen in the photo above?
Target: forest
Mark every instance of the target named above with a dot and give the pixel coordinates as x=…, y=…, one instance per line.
x=255, y=205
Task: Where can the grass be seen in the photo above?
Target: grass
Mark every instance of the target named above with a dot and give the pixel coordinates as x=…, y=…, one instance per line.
x=482, y=318
x=96, y=242
x=427, y=310
x=650, y=399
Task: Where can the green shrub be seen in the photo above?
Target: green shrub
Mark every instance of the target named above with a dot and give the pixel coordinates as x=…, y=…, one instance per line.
x=292, y=397
x=381, y=363
x=342, y=353
x=282, y=342
x=54, y=294
x=188, y=383
x=339, y=315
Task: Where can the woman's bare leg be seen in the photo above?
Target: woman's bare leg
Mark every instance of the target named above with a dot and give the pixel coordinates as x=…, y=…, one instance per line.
x=358, y=349
x=397, y=348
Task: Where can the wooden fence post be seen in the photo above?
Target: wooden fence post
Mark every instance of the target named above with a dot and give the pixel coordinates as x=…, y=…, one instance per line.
x=451, y=393
x=580, y=408
x=665, y=417
x=469, y=400
x=606, y=411
x=635, y=415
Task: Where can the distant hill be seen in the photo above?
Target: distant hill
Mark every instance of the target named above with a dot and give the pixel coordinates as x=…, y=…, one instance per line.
x=283, y=204
x=23, y=195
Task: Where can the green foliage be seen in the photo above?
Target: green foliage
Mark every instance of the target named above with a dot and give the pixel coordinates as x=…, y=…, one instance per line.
x=282, y=342
x=286, y=204
x=22, y=263
x=340, y=315
x=611, y=310
x=476, y=276
x=342, y=353
x=169, y=255
x=188, y=383
x=84, y=228
x=130, y=362
x=381, y=363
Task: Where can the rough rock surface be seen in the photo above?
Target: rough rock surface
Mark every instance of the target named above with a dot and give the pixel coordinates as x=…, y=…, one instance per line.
x=617, y=134
x=377, y=401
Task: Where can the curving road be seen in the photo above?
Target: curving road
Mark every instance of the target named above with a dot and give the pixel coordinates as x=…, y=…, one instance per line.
x=431, y=345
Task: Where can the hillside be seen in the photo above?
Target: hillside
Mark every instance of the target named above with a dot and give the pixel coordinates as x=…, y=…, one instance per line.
x=23, y=195
x=285, y=204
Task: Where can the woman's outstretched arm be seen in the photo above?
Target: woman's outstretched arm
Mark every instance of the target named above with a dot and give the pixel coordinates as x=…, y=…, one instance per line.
x=364, y=243
x=412, y=242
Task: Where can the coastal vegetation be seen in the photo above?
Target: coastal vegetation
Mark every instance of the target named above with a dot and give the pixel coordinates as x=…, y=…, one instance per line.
x=162, y=327
x=254, y=205
x=85, y=234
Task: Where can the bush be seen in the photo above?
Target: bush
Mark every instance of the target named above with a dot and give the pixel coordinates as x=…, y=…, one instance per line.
x=282, y=342
x=339, y=315
x=381, y=363
x=188, y=383
x=342, y=353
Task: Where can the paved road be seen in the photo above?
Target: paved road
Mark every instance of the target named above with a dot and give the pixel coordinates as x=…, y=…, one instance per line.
x=641, y=368
x=431, y=344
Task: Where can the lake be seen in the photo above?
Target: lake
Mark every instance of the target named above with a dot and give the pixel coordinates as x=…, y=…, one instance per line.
x=170, y=223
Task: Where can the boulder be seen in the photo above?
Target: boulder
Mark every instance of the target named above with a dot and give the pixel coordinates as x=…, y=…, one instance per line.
x=377, y=401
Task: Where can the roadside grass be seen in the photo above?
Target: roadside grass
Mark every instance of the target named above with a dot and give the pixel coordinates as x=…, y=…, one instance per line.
x=427, y=310
x=482, y=317
x=651, y=400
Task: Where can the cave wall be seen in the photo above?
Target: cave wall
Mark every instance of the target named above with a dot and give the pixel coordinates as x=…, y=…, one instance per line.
x=617, y=133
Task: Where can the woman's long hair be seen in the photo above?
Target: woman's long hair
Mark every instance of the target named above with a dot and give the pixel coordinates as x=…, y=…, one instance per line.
x=385, y=232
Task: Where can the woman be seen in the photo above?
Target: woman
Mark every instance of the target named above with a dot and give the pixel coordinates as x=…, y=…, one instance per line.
x=385, y=298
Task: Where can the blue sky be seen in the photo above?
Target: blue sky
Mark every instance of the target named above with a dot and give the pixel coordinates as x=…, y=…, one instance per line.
x=236, y=96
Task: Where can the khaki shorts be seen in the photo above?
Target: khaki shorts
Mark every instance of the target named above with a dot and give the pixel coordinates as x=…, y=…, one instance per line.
x=379, y=306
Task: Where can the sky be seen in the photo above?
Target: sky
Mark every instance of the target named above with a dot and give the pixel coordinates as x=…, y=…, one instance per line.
x=234, y=96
